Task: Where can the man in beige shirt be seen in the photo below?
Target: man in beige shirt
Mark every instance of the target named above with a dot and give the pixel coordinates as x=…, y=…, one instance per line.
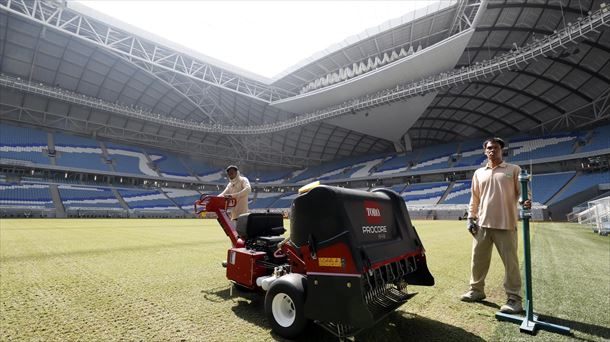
x=238, y=188
x=492, y=220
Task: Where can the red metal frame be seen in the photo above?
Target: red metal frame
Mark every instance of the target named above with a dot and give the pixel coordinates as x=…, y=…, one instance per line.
x=219, y=206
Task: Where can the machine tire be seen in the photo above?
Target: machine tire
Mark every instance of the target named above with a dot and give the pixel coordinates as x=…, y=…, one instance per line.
x=285, y=306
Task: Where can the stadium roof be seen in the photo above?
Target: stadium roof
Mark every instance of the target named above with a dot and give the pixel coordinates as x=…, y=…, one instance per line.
x=463, y=69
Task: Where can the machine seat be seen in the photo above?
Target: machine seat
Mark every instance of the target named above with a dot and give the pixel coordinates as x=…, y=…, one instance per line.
x=252, y=225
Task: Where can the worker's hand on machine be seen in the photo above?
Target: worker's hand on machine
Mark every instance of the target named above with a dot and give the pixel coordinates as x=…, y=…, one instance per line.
x=472, y=226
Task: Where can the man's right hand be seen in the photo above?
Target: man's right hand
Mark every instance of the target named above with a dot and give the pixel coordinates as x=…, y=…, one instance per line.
x=472, y=226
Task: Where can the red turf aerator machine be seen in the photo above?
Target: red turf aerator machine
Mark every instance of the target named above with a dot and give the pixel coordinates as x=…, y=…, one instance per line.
x=347, y=263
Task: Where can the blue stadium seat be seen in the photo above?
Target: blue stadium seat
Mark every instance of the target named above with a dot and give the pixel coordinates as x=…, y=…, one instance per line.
x=541, y=147
x=460, y=193
x=23, y=143
x=79, y=197
x=434, y=157
x=580, y=183
x=424, y=193
x=265, y=200
x=396, y=163
x=600, y=140
x=285, y=201
x=169, y=165
x=26, y=196
x=184, y=198
x=129, y=160
x=146, y=200
x=546, y=186
x=79, y=152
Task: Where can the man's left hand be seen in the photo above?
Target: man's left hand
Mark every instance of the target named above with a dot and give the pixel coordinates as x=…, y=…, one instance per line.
x=527, y=204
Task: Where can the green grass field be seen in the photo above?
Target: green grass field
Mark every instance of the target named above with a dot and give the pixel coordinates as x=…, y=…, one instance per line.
x=161, y=280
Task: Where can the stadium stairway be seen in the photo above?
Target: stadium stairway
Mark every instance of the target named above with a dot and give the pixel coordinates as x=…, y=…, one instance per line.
x=59, y=206
x=106, y=156
x=565, y=186
x=152, y=164
x=176, y=203
x=51, y=144
x=121, y=200
x=449, y=188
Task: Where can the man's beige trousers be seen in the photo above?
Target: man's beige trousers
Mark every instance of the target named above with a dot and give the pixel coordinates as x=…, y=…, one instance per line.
x=506, y=244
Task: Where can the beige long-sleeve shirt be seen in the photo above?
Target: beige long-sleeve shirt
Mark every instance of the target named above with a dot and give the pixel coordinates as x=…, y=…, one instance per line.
x=238, y=188
x=495, y=195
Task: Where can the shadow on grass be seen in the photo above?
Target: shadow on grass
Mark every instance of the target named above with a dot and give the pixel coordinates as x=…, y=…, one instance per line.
x=586, y=328
x=488, y=304
x=398, y=326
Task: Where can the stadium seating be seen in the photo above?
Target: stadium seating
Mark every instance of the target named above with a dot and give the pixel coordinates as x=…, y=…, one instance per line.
x=169, y=165
x=541, y=147
x=580, y=183
x=546, y=186
x=265, y=200
x=146, y=200
x=460, y=193
x=600, y=140
x=338, y=169
x=395, y=164
x=263, y=177
x=25, y=196
x=434, y=157
x=205, y=172
x=25, y=144
x=129, y=160
x=285, y=201
x=79, y=197
x=78, y=152
x=184, y=198
x=424, y=193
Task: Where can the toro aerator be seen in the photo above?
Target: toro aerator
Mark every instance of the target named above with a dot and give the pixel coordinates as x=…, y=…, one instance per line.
x=347, y=263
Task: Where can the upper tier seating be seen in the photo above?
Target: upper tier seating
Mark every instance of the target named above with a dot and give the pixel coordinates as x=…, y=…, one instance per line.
x=205, y=172
x=129, y=160
x=278, y=176
x=265, y=200
x=424, y=193
x=184, y=198
x=25, y=196
x=546, y=186
x=582, y=182
x=79, y=197
x=146, y=200
x=471, y=153
x=285, y=201
x=78, y=152
x=23, y=143
x=169, y=165
x=396, y=163
x=544, y=147
x=460, y=193
x=338, y=169
x=600, y=140
x=434, y=157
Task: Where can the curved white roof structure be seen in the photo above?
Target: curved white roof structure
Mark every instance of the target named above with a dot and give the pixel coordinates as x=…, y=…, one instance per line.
x=453, y=71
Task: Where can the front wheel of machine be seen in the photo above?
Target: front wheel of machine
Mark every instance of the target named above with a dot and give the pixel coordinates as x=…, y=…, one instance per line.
x=284, y=308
